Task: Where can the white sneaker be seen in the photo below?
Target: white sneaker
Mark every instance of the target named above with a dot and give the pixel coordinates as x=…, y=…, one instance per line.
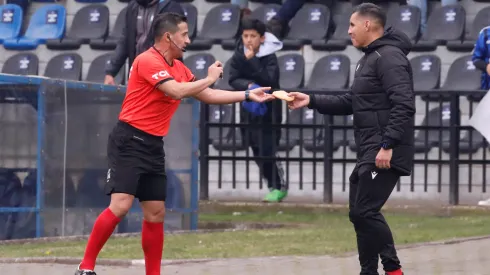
x=484, y=203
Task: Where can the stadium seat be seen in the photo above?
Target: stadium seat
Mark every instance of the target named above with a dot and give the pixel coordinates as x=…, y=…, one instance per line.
x=426, y=73
x=405, y=18
x=467, y=145
x=96, y=72
x=221, y=23
x=90, y=1
x=292, y=71
x=331, y=72
x=10, y=195
x=21, y=64
x=23, y=4
x=310, y=138
x=310, y=23
x=47, y=22
x=90, y=22
x=425, y=139
x=223, y=83
x=67, y=66
x=25, y=226
x=463, y=76
x=289, y=137
x=191, y=13
x=265, y=12
x=230, y=139
x=11, y=22
x=446, y=23
x=199, y=63
x=90, y=192
x=339, y=40
x=481, y=21
x=110, y=42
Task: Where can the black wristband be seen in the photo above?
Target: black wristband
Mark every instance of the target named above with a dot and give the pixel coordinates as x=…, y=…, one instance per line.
x=247, y=95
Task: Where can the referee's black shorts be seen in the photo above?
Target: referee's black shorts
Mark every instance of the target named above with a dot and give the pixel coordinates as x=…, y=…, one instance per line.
x=136, y=164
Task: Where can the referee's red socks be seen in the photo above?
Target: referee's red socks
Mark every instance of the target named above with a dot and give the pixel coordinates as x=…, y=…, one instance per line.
x=152, y=244
x=104, y=225
x=396, y=272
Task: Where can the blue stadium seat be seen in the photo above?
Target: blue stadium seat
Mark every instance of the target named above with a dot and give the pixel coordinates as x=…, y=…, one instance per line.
x=90, y=191
x=11, y=21
x=22, y=64
x=48, y=22
x=23, y=4
x=90, y=22
x=65, y=66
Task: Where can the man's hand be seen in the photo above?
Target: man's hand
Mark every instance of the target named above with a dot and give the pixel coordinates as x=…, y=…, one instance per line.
x=260, y=95
x=215, y=70
x=383, y=158
x=109, y=80
x=300, y=100
x=249, y=53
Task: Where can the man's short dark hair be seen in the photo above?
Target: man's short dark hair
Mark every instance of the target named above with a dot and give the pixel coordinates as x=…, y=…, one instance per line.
x=373, y=11
x=166, y=22
x=253, y=24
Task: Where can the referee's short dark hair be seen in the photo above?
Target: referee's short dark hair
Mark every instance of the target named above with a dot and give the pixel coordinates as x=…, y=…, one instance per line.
x=373, y=11
x=166, y=22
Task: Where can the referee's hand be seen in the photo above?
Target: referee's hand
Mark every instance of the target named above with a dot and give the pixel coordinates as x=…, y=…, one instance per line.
x=261, y=95
x=215, y=70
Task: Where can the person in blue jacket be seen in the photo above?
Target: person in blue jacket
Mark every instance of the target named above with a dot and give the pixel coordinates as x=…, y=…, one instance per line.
x=481, y=55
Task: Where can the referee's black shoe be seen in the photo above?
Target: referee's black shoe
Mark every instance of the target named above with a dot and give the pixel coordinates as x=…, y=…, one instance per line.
x=84, y=272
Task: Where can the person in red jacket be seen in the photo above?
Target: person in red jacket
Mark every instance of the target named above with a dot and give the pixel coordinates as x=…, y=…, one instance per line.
x=157, y=83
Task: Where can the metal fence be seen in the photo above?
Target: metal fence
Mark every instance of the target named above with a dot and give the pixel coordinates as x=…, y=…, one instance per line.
x=53, y=137
x=318, y=153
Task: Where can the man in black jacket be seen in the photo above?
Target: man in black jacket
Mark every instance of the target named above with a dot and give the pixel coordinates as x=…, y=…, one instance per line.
x=254, y=64
x=139, y=18
x=383, y=104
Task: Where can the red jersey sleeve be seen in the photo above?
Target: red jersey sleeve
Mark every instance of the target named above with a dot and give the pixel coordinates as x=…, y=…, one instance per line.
x=153, y=70
x=189, y=75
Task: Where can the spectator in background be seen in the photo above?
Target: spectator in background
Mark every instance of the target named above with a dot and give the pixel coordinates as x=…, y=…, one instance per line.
x=139, y=18
x=481, y=55
x=254, y=64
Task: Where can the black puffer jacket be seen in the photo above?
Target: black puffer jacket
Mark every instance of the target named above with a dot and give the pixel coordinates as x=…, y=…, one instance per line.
x=382, y=101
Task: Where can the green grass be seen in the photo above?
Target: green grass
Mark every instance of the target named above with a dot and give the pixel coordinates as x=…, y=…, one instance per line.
x=328, y=232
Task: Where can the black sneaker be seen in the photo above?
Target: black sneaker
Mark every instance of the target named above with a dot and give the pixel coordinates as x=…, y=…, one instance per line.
x=84, y=272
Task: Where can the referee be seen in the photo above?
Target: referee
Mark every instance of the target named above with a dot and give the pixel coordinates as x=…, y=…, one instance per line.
x=157, y=83
x=382, y=102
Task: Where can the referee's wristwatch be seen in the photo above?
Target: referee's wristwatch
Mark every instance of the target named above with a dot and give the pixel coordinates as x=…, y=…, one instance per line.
x=247, y=95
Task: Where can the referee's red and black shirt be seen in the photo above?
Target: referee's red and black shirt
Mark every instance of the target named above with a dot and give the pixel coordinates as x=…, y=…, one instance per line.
x=144, y=106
